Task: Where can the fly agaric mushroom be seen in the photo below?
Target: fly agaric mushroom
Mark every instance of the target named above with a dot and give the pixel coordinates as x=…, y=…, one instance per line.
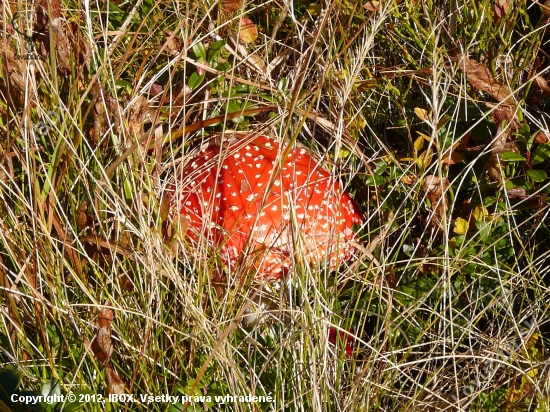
x=335, y=337
x=261, y=203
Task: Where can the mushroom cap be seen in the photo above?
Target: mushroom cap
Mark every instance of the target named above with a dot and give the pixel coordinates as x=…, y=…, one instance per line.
x=261, y=208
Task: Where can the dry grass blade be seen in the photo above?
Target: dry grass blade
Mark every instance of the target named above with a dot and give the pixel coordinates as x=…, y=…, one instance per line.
x=431, y=116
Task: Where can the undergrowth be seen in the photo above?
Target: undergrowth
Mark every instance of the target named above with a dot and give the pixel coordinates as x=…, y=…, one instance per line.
x=434, y=115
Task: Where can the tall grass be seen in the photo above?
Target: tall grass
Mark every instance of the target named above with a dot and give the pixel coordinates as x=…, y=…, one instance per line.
x=447, y=307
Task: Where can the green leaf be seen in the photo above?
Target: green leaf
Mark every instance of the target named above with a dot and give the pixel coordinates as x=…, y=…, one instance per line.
x=124, y=84
x=375, y=180
x=214, y=51
x=50, y=388
x=524, y=132
x=537, y=175
x=282, y=84
x=540, y=154
x=234, y=106
x=380, y=168
x=512, y=157
x=195, y=80
x=10, y=378
x=200, y=51
x=223, y=67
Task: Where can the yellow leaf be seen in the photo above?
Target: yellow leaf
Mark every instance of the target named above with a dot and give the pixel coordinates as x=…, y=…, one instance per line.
x=418, y=143
x=533, y=373
x=479, y=213
x=421, y=113
x=364, y=85
x=408, y=179
x=314, y=9
x=343, y=153
x=452, y=242
x=426, y=137
x=357, y=123
x=425, y=158
x=461, y=226
x=248, y=32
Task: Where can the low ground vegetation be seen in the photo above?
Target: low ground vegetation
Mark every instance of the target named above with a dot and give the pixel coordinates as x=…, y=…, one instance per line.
x=433, y=115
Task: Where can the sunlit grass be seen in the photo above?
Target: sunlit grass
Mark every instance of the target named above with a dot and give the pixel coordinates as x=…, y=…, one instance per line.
x=447, y=306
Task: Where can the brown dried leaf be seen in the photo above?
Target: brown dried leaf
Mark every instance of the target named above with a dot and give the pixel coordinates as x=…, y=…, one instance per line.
x=465, y=140
x=453, y=159
x=541, y=138
x=372, y=5
x=138, y=115
x=517, y=192
x=175, y=230
x=501, y=8
x=164, y=209
x=82, y=218
x=55, y=9
x=435, y=188
x=248, y=32
x=179, y=99
x=480, y=77
x=102, y=346
x=116, y=386
x=156, y=89
x=542, y=84
x=230, y=5
x=60, y=39
x=173, y=44
x=258, y=62
x=16, y=69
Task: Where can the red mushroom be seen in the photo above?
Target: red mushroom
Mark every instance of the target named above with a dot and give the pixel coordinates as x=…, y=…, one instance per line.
x=260, y=208
x=336, y=337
